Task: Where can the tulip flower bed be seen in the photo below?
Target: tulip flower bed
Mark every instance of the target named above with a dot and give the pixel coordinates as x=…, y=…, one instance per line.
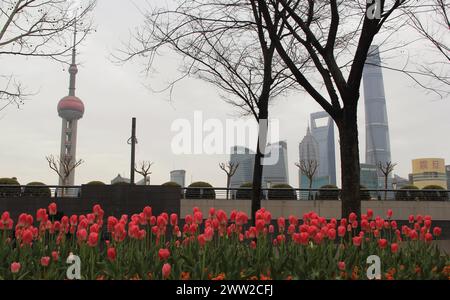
x=216, y=246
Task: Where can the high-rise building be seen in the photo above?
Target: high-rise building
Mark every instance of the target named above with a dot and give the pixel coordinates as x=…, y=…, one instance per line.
x=308, y=151
x=369, y=178
x=272, y=174
x=178, y=176
x=429, y=171
x=378, y=147
x=70, y=109
x=278, y=172
x=246, y=160
x=324, y=135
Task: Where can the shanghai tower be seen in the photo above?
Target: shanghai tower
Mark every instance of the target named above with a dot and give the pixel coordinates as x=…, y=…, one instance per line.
x=378, y=148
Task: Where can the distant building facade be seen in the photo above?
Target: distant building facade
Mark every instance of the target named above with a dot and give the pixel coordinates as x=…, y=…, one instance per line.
x=309, y=151
x=369, y=178
x=278, y=172
x=246, y=159
x=378, y=148
x=272, y=174
x=179, y=177
x=429, y=171
x=401, y=182
x=324, y=135
x=120, y=179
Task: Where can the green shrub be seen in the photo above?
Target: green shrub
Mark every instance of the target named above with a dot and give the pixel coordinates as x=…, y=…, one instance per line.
x=434, y=193
x=200, y=190
x=282, y=191
x=364, y=193
x=328, y=192
x=95, y=183
x=13, y=188
x=171, y=183
x=408, y=193
x=246, y=192
x=37, y=189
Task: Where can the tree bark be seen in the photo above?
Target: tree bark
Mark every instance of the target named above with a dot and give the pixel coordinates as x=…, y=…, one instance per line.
x=257, y=182
x=350, y=165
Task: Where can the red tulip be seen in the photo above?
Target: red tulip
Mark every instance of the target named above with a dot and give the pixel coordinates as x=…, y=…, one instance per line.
x=341, y=231
x=166, y=270
x=173, y=219
x=369, y=214
x=163, y=254
x=382, y=243
x=352, y=217
x=147, y=212
x=93, y=239
x=45, y=261
x=413, y=235
x=201, y=240
x=82, y=234
x=55, y=255
x=15, y=267
x=27, y=236
x=331, y=234
x=341, y=265
x=394, y=247
x=389, y=213
x=253, y=244
x=52, y=209
x=428, y=237
x=411, y=218
x=437, y=231
x=357, y=241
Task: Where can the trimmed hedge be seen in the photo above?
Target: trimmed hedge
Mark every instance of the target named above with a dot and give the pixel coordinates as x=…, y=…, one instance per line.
x=171, y=183
x=282, y=191
x=246, y=193
x=404, y=195
x=328, y=192
x=96, y=183
x=364, y=193
x=13, y=190
x=37, y=189
x=200, y=190
x=434, y=193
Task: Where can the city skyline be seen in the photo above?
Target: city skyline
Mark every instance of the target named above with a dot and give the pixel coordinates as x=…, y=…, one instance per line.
x=116, y=94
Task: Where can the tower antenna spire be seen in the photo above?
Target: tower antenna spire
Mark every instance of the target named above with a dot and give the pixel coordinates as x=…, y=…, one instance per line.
x=73, y=69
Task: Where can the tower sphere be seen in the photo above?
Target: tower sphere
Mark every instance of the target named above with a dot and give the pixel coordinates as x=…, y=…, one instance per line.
x=71, y=108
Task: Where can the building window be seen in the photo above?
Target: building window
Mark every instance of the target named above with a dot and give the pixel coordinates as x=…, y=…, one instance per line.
x=435, y=164
x=424, y=164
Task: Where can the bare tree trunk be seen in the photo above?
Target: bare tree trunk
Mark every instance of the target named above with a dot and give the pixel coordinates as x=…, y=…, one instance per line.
x=350, y=166
x=385, y=186
x=228, y=187
x=257, y=182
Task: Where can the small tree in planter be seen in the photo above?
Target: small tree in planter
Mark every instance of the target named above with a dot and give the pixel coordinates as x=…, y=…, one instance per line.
x=12, y=189
x=282, y=191
x=37, y=189
x=200, y=190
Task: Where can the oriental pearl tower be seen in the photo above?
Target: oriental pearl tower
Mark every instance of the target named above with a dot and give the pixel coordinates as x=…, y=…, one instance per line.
x=70, y=109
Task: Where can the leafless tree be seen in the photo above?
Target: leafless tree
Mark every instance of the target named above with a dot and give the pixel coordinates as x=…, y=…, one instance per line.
x=144, y=170
x=230, y=169
x=338, y=36
x=220, y=42
x=63, y=167
x=308, y=168
x=386, y=169
x=38, y=28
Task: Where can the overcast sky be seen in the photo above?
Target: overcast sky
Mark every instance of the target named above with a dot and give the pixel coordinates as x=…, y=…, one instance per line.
x=419, y=123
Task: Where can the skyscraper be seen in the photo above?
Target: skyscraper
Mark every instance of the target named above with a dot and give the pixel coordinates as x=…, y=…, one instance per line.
x=308, y=151
x=178, y=176
x=70, y=109
x=272, y=174
x=324, y=135
x=246, y=160
x=447, y=171
x=278, y=172
x=378, y=148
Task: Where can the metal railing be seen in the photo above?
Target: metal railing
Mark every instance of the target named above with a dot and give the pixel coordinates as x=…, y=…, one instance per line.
x=16, y=191
x=314, y=194
x=49, y=191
